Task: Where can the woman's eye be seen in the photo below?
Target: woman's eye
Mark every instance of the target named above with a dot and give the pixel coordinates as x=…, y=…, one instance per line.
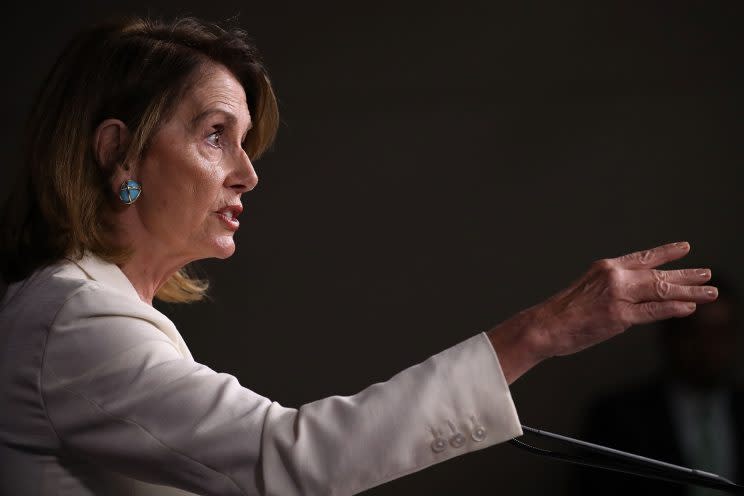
x=215, y=138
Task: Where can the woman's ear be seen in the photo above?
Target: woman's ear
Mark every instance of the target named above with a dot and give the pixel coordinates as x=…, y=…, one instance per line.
x=110, y=143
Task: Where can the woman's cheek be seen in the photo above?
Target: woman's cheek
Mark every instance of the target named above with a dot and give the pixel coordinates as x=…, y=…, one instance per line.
x=209, y=154
x=203, y=168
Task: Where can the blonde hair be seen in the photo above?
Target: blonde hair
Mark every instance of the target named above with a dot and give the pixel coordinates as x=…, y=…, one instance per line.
x=134, y=70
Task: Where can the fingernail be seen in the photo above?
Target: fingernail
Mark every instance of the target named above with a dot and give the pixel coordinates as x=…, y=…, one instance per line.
x=682, y=245
x=703, y=273
x=711, y=291
x=691, y=306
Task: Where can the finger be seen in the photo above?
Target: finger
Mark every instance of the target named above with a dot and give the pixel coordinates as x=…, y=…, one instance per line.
x=649, y=259
x=660, y=290
x=651, y=311
x=682, y=276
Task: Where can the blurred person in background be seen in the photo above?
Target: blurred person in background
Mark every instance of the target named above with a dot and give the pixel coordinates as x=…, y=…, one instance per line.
x=690, y=414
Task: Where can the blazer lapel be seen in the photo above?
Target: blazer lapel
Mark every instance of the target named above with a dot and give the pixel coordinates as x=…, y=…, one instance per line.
x=106, y=273
x=111, y=276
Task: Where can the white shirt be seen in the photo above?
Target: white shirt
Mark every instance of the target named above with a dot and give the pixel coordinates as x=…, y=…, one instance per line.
x=99, y=395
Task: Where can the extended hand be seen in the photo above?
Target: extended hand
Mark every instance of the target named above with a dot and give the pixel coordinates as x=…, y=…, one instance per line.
x=610, y=297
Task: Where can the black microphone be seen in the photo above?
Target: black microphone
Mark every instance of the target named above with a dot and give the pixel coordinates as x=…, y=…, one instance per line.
x=628, y=463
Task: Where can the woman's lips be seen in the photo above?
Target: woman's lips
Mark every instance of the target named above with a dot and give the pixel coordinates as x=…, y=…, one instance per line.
x=230, y=222
x=229, y=215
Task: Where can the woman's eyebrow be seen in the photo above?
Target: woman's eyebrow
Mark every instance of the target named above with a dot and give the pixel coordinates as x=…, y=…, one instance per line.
x=229, y=116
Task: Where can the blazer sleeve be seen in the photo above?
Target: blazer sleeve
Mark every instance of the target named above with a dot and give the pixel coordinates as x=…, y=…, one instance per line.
x=118, y=393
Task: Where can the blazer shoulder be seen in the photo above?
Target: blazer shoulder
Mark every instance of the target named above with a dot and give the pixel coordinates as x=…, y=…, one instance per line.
x=36, y=300
x=62, y=295
x=97, y=314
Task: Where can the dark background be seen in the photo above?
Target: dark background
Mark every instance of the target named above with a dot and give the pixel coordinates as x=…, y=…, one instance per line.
x=440, y=166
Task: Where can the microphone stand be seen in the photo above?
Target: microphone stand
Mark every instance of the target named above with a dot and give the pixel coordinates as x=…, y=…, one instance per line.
x=628, y=463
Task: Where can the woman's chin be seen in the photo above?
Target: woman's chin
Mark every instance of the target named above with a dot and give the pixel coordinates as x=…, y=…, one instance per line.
x=224, y=247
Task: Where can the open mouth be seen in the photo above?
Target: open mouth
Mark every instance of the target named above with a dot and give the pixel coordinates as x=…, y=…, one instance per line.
x=229, y=216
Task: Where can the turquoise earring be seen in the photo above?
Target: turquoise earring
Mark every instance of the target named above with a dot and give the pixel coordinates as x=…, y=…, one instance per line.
x=129, y=191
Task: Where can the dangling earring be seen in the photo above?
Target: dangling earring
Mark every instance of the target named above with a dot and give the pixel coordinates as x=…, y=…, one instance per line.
x=129, y=191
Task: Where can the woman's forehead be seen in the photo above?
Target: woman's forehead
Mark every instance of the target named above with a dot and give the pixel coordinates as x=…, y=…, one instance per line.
x=216, y=87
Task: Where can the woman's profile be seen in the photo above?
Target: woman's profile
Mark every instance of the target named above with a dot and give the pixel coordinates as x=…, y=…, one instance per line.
x=139, y=149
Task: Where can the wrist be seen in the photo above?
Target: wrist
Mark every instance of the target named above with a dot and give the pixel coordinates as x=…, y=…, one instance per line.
x=518, y=344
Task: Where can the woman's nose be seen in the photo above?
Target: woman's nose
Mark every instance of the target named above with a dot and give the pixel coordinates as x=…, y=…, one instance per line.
x=244, y=177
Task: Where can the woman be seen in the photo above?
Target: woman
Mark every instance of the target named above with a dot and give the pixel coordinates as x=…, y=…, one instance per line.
x=140, y=147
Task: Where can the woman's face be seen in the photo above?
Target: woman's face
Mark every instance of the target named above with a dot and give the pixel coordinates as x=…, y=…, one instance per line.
x=195, y=171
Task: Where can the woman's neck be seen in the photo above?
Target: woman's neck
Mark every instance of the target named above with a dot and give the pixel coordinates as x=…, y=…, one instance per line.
x=148, y=272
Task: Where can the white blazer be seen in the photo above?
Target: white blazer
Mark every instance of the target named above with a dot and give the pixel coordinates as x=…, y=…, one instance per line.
x=99, y=395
